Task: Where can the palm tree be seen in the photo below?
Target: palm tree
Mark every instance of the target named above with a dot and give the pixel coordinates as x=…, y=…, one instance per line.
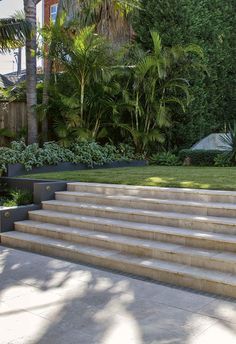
x=87, y=59
x=156, y=91
x=110, y=19
x=13, y=32
x=31, y=71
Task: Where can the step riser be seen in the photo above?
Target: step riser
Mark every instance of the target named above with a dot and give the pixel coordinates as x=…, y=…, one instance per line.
x=140, y=218
x=203, y=242
x=177, y=257
x=162, y=194
x=125, y=266
x=141, y=204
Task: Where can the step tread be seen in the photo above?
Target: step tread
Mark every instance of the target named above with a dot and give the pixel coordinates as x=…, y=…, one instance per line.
x=198, y=273
x=202, y=204
x=121, y=239
x=148, y=213
x=148, y=188
x=137, y=225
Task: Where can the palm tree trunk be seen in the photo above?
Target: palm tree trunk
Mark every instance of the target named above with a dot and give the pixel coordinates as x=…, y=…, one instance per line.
x=109, y=21
x=31, y=72
x=112, y=24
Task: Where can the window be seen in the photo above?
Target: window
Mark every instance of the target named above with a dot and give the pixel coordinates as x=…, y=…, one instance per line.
x=53, y=13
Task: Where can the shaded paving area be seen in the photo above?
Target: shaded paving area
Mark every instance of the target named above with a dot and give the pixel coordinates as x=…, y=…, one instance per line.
x=50, y=301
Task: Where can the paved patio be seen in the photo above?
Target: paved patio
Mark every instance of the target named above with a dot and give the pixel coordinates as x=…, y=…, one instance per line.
x=46, y=300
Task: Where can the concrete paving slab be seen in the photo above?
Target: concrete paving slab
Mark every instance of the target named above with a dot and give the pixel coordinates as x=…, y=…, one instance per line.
x=45, y=300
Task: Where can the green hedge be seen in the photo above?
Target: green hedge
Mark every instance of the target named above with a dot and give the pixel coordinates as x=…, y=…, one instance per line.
x=199, y=157
x=212, y=25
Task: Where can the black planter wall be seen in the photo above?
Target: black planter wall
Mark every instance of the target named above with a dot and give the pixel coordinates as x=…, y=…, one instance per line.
x=14, y=170
x=42, y=191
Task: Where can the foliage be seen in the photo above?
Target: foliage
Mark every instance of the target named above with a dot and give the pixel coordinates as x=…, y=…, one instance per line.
x=229, y=139
x=155, y=92
x=13, y=32
x=118, y=95
x=212, y=25
x=16, y=197
x=164, y=159
x=110, y=16
x=89, y=153
x=92, y=88
x=222, y=160
x=7, y=156
x=199, y=157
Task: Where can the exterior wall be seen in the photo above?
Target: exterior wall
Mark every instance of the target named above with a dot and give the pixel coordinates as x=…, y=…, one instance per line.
x=47, y=5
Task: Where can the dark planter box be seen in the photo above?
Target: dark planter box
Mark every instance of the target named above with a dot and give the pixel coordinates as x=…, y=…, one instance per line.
x=42, y=190
x=14, y=170
x=9, y=215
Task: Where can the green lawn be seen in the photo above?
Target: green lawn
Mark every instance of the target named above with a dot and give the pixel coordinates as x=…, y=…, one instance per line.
x=222, y=178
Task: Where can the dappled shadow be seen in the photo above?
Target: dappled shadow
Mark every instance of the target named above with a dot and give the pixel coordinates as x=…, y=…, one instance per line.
x=69, y=303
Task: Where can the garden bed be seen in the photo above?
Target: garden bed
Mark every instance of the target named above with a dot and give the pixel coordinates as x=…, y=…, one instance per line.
x=19, y=196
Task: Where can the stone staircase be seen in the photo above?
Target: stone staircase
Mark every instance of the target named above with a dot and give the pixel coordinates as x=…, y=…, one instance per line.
x=179, y=236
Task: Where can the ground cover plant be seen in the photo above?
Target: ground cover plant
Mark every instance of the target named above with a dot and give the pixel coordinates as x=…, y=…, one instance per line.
x=14, y=197
x=89, y=153
x=218, y=178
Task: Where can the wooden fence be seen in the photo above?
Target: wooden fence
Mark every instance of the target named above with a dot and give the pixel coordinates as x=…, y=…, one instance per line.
x=13, y=116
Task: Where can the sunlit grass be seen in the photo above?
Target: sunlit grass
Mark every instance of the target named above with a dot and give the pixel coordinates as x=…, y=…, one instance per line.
x=221, y=178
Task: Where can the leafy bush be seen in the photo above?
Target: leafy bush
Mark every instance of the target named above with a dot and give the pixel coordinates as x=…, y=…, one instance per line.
x=165, y=159
x=199, y=157
x=223, y=160
x=16, y=197
x=89, y=153
x=7, y=156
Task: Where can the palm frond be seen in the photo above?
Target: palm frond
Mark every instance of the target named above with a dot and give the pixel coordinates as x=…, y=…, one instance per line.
x=13, y=33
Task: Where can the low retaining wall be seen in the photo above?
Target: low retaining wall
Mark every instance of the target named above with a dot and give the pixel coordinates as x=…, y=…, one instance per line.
x=14, y=170
x=42, y=190
x=10, y=215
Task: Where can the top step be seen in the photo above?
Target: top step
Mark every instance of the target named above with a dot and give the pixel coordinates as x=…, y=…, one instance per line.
x=159, y=192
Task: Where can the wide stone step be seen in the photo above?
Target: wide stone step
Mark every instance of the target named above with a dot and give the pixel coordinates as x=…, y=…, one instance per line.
x=167, y=205
x=187, y=237
x=179, y=274
x=216, y=260
x=157, y=192
x=206, y=223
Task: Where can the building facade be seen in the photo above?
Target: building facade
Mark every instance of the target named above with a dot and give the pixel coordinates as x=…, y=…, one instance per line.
x=50, y=10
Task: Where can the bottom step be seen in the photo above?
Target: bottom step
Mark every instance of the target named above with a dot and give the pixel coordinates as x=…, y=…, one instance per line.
x=178, y=274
